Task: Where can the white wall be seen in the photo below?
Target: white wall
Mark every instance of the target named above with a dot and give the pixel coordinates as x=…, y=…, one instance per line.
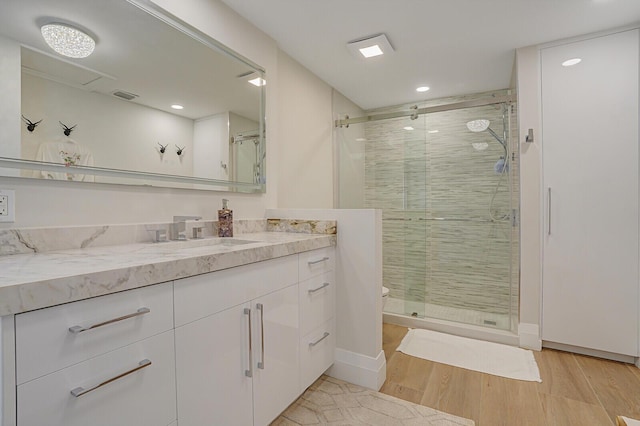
x=305, y=128
x=119, y=134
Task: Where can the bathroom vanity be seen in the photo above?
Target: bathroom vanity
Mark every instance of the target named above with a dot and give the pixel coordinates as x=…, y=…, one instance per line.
x=211, y=331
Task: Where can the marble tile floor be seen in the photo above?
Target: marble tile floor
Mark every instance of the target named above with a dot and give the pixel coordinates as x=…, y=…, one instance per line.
x=331, y=401
x=448, y=313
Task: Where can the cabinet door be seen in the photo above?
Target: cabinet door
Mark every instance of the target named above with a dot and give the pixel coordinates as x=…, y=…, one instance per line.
x=213, y=369
x=590, y=161
x=276, y=381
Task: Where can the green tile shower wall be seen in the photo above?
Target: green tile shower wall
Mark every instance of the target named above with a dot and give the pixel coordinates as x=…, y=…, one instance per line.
x=466, y=261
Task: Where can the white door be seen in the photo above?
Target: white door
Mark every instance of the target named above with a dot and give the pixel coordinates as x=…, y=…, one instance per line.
x=590, y=162
x=276, y=379
x=214, y=386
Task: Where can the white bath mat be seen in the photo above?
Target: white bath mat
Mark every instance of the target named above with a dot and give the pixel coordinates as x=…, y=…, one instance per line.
x=629, y=422
x=485, y=357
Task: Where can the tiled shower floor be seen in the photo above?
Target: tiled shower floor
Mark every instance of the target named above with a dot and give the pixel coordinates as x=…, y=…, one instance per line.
x=466, y=316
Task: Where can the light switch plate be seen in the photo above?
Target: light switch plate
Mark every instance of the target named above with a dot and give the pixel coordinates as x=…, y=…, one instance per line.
x=7, y=205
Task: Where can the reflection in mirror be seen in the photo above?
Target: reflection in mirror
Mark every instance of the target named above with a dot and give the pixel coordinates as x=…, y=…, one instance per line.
x=157, y=102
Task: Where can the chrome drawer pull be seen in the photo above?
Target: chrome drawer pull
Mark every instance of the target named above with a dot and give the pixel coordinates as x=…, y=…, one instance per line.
x=313, y=262
x=79, y=329
x=324, y=336
x=319, y=288
x=79, y=391
x=249, y=372
x=260, y=307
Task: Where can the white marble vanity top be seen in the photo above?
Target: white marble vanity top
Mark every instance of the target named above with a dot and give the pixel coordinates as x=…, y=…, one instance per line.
x=33, y=281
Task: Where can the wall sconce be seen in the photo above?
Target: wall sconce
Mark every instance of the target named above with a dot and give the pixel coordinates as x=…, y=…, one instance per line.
x=30, y=125
x=67, y=130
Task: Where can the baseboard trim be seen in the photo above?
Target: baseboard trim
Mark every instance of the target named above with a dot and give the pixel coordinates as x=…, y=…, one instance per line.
x=590, y=352
x=529, y=335
x=359, y=369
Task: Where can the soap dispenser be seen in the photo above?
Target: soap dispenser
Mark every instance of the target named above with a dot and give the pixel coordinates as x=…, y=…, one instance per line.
x=225, y=220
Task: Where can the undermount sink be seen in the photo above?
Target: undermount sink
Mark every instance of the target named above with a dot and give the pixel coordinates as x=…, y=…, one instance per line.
x=204, y=243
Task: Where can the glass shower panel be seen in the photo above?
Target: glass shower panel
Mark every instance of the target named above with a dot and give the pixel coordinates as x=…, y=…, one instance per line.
x=470, y=217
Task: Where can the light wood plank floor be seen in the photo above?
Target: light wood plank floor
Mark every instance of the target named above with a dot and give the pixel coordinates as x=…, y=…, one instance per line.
x=575, y=389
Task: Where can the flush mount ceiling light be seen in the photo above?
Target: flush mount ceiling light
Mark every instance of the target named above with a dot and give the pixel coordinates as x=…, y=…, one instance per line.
x=177, y=106
x=67, y=40
x=369, y=47
x=571, y=62
x=422, y=89
x=258, y=81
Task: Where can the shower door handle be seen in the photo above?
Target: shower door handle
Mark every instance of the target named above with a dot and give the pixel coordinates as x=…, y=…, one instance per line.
x=549, y=211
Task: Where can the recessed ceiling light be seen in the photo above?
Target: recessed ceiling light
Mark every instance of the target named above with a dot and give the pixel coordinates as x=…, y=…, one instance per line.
x=433, y=131
x=422, y=89
x=369, y=47
x=67, y=40
x=258, y=81
x=408, y=128
x=176, y=106
x=371, y=51
x=570, y=62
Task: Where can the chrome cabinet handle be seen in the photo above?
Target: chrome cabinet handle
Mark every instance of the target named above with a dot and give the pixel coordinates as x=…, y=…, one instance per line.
x=549, y=207
x=324, y=336
x=79, y=391
x=260, y=307
x=313, y=262
x=319, y=288
x=249, y=372
x=79, y=329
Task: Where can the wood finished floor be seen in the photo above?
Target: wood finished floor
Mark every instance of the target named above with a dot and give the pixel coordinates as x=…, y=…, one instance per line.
x=575, y=389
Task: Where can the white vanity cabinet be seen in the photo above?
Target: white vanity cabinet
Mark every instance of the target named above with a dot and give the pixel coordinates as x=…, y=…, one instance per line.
x=237, y=337
x=102, y=361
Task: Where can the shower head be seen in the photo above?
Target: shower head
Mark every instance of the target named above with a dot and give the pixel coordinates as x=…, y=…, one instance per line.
x=478, y=125
x=482, y=125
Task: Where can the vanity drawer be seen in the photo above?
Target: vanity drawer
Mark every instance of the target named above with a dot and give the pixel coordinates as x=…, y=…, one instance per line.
x=203, y=295
x=317, y=352
x=317, y=301
x=143, y=397
x=54, y=338
x=316, y=262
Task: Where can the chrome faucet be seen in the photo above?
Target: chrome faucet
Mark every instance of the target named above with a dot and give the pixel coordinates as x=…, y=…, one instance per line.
x=180, y=226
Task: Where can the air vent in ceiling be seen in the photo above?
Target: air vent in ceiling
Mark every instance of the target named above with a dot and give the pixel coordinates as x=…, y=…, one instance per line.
x=124, y=95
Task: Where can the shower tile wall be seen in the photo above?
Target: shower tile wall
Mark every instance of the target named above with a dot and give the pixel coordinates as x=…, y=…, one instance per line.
x=439, y=244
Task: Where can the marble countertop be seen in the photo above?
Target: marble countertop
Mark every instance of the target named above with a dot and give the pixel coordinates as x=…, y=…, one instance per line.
x=34, y=281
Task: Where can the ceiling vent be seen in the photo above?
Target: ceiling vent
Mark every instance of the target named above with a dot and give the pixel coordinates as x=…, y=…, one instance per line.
x=124, y=95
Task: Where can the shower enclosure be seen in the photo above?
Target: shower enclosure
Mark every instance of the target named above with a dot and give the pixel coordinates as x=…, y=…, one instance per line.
x=445, y=174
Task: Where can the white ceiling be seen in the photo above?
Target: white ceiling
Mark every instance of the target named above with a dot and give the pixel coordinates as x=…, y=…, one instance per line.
x=453, y=46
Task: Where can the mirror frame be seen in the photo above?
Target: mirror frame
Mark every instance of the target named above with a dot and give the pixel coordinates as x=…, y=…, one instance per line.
x=177, y=181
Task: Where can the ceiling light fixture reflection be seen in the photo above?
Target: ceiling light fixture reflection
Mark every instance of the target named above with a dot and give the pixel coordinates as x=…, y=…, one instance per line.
x=480, y=146
x=408, y=128
x=360, y=139
x=422, y=89
x=177, y=106
x=571, y=62
x=433, y=131
x=67, y=40
x=258, y=81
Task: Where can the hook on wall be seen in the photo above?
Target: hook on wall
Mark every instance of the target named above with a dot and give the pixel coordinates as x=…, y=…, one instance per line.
x=162, y=147
x=179, y=150
x=67, y=130
x=31, y=126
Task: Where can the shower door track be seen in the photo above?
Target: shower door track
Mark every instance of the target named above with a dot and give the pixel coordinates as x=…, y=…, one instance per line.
x=415, y=111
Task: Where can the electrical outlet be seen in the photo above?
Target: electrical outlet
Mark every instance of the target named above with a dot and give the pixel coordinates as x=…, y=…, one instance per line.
x=7, y=205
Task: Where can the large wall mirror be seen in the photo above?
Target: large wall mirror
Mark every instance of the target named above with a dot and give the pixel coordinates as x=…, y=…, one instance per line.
x=155, y=103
